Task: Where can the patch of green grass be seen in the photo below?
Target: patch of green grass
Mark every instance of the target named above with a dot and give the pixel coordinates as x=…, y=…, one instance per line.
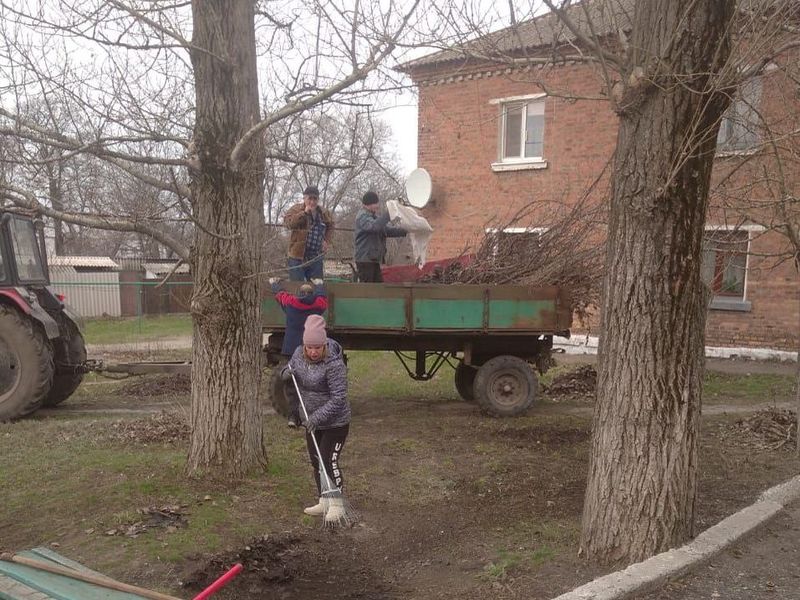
x=542, y=555
x=509, y=560
x=755, y=387
x=64, y=481
x=404, y=445
x=499, y=568
x=380, y=375
x=130, y=329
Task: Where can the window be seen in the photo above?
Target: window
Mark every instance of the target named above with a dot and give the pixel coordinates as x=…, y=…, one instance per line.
x=26, y=250
x=724, y=268
x=518, y=241
x=738, y=132
x=521, y=134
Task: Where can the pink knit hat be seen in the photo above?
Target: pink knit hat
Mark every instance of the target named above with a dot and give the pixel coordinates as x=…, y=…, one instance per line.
x=314, y=334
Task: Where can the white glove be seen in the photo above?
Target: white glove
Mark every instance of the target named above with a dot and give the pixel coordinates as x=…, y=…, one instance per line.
x=317, y=281
x=273, y=280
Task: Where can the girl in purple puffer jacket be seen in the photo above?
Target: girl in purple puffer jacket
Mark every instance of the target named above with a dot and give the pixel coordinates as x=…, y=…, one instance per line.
x=318, y=366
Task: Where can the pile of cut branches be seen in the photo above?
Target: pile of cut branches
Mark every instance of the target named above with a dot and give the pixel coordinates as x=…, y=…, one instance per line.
x=566, y=249
x=769, y=429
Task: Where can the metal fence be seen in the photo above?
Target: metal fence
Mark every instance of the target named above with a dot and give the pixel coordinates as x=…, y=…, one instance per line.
x=124, y=290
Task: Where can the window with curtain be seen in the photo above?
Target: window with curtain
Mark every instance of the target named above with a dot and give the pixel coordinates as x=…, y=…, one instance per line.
x=724, y=265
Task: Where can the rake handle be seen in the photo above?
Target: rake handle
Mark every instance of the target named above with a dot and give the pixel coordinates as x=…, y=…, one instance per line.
x=322, y=469
x=86, y=577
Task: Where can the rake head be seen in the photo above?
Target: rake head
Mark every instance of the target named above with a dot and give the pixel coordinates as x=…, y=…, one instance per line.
x=337, y=511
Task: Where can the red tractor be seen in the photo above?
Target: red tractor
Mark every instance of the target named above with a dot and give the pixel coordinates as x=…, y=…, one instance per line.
x=42, y=352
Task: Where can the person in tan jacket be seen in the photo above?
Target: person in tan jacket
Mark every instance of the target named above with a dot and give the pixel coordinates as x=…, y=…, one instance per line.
x=312, y=233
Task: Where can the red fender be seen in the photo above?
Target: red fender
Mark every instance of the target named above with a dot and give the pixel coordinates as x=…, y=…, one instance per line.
x=18, y=300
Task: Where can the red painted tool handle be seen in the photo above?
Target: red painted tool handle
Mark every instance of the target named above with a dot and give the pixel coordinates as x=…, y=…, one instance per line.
x=219, y=583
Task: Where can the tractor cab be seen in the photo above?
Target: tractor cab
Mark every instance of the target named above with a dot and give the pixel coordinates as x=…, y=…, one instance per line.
x=23, y=250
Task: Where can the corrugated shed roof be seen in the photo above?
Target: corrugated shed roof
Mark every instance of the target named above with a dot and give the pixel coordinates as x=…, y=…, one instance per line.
x=606, y=17
x=82, y=261
x=164, y=268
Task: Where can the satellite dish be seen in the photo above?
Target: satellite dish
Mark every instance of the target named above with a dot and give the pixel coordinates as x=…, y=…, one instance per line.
x=419, y=188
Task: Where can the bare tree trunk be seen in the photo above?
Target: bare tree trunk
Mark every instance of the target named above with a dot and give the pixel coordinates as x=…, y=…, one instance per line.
x=226, y=417
x=641, y=489
x=57, y=202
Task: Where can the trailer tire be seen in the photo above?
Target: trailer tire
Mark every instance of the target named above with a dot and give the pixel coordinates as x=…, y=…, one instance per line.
x=277, y=397
x=506, y=386
x=64, y=385
x=26, y=365
x=465, y=381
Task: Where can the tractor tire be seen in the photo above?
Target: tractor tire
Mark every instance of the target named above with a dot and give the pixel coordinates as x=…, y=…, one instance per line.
x=26, y=365
x=506, y=386
x=64, y=385
x=277, y=397
x=465, y=381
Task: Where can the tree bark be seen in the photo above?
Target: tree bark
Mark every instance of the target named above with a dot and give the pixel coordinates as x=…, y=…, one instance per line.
x=56, y=201
x=642, y=482
x=227, y=203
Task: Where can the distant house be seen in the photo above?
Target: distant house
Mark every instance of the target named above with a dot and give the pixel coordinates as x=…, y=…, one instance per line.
x=89, y=283
x=494, y=140
x=144, y=291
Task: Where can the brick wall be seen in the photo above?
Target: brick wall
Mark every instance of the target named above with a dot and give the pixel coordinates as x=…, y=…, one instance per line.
x=774, y=293
x=458, y=131
x=458, y=141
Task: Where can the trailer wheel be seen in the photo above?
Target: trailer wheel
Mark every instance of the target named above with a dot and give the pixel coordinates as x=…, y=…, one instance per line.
x=465, y=381
x=506, y=386
x=26, y=365
x=277, y=397
x=73, y=353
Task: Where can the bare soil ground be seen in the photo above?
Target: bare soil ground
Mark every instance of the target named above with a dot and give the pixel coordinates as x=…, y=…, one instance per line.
x=453, y=504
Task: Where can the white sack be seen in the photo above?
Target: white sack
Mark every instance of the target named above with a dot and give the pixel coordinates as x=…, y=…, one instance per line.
x=419, y=230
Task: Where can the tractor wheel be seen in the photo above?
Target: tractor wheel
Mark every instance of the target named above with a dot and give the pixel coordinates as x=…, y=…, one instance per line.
x=26, y=365
x=465, y=381
x=277, y=397
x=73, y=353
x=506, y=386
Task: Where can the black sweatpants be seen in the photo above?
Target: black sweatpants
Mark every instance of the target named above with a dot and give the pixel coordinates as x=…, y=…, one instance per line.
x=331, y=442
x=369, y=272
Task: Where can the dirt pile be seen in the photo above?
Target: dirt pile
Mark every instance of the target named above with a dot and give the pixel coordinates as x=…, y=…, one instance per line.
x=176, y=383
x=580, y=383
x=166, y=427
x=270, y=559
x=768, y=429
x=308, y=564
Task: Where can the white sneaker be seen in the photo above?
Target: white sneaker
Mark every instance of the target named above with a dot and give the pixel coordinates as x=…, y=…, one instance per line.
x=335, y=510
x=316, y=510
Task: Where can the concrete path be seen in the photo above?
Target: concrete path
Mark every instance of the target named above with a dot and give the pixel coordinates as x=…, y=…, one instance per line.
x=179, y=343
x=638, y=581
x=734, y=366
x=764, y=565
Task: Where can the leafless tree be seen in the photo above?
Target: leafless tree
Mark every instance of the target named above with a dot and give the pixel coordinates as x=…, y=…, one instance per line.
x=190, y=90
x=669, y=69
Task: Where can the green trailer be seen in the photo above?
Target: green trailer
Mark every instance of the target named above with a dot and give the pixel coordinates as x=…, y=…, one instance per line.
x=492, y=335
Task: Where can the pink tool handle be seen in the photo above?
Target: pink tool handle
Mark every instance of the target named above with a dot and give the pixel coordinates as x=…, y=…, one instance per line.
x=219, y=583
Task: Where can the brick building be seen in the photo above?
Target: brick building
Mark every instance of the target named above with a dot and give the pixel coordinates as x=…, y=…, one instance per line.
x=497, y=136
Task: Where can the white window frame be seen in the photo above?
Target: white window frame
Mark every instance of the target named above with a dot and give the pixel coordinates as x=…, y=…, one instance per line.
x=522, y=162
x=491, y=230
x=735, y=304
